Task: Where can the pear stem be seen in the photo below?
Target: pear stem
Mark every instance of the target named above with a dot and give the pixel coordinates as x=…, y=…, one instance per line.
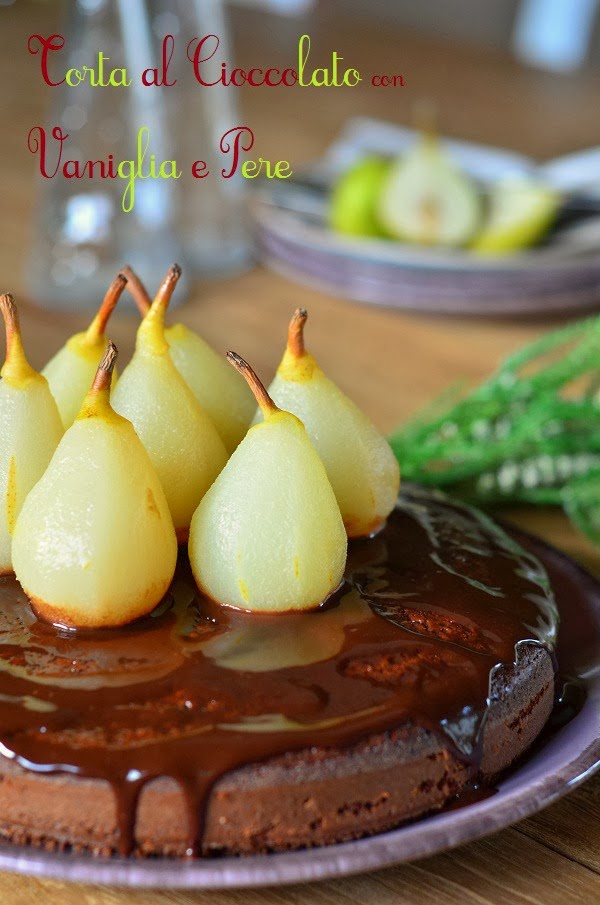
x=159, y=306
x=16, y=366
x=103, y=378
x=295, y=340
x=425, y=119
x=267, y=406
x=137, y=290
x=166, y=289
x=98, y=325
x=152, y=328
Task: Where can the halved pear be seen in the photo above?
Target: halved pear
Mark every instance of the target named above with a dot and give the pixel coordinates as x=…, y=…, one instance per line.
x=355, y=198
x=521, y=211
x=427, y=200
x=94, y=545
x=268, y=536
x=359, y=462
x=71, y=371
x=226, y=399
x=30, y=430
x=180, y=438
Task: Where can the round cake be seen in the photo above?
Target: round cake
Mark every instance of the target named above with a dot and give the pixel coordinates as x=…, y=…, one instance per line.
x=202, y=730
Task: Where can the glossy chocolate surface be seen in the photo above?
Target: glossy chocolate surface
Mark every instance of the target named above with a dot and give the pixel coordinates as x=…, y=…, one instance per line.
x=431, y=605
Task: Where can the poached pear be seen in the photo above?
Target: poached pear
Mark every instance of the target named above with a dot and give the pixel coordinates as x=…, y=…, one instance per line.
x=30, y=430
x=71, y=371
x=226, y=399
x=180, y=438
x=359, y=461
x=426, y=199
x=268, y=536
x=94, y=545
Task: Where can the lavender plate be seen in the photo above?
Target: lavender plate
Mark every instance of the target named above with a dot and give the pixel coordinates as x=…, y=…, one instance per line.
x=565, y=758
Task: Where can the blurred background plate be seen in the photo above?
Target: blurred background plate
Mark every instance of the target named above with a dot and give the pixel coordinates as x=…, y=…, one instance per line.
x=561, y=276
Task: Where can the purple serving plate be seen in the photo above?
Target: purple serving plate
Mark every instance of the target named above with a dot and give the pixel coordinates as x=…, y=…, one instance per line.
x=564, y=759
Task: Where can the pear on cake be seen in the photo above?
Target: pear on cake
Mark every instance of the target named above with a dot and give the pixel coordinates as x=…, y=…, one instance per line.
x=94, y=545
x=143, y=466
x=30, y=430
x=268, y=536
x=359, y=461
x=183, y=443
x=71, y=371
x=226, y=399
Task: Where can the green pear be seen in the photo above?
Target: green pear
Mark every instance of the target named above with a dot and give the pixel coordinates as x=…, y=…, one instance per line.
x=355, y=197
x=30, y=430
x=359, y=462
x=71, y=371
x=94, y=545
x=268, y=536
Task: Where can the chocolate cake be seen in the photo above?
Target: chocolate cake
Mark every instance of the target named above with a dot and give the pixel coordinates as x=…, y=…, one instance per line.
x=203, y=730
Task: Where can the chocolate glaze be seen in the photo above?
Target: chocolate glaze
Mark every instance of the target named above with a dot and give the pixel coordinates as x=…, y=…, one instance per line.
x=431, y=606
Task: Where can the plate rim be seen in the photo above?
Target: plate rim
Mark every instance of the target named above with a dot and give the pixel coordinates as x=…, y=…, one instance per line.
x=411, y=257
x=341, y=267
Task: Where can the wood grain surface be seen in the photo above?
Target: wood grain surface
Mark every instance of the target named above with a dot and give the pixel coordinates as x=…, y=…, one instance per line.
x=390, y=363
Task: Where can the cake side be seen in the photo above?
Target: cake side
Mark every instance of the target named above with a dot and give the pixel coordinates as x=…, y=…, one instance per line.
x=305, y=798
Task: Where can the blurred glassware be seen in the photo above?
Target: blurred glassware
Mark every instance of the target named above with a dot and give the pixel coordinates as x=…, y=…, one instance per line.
x=81, y=233
x=211, y=216
x=554, y=35
x=283, y=7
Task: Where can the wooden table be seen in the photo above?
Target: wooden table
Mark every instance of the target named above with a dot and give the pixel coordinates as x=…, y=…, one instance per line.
x=390, y=363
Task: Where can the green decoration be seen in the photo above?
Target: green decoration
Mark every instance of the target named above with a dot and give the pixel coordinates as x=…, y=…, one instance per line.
x=530, y=433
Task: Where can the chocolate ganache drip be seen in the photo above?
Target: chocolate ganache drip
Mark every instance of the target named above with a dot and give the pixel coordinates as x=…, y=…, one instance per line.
x=431, y=605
